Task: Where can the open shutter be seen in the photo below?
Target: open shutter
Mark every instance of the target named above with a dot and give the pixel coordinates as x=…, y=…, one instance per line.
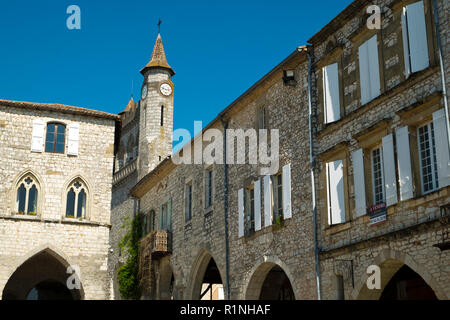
x=336, y=200
x=442, y=152
x=241, y=212
x=37, y=138
x=390, y=184
x=364, y=80
x=404, y=164
x=257, y=188
x=287, y=208
x=169, y=215
x=331, y=93
x=417, y=32
x=74, y=132
x=161, y=223
x=359, y=184
x=405, y=37
x=267, y=201
x=374, y=67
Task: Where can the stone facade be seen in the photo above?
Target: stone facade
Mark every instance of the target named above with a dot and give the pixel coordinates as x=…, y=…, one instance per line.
x=81, y=242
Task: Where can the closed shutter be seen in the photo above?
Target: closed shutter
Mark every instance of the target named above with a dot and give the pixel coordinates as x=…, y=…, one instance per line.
x=404, y=164
x=390, y=184
x=257, y=188
x=287, y=209
x=359, y=184
x=405, y=37
x=267, y=201
x=331, y=93
x=417, y=34
x=241, y=212
x=74, y=131
x=37, y=137
x=374, y=67
x=442, y=152
x=335, y=191
x=364, y=80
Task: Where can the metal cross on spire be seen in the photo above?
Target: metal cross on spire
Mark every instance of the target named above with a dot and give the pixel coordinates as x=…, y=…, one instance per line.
x=159, y=26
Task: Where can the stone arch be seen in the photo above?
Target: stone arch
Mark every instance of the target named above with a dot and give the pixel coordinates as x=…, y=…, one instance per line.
x=257, y=275
x=89, y=195
x=197, y=274
x=41, y=191
x=50, y=252
x=390, y=261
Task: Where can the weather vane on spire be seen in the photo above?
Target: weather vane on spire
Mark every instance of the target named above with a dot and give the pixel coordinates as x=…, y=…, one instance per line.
x=159, y=26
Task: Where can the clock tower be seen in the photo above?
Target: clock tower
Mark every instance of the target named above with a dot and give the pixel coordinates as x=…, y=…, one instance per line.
x=156, y=111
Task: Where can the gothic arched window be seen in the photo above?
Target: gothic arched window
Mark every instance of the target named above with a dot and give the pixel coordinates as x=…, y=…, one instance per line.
x=27, y=195
x=76, y=204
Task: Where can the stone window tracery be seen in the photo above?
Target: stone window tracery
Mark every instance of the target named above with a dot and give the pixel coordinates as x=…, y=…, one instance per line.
x=76, y=202
x=27, y=195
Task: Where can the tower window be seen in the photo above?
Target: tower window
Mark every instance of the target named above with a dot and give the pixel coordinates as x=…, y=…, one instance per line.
x=162, y=116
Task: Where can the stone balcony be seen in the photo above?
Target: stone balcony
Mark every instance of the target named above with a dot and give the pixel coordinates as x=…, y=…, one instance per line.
x=157, y=243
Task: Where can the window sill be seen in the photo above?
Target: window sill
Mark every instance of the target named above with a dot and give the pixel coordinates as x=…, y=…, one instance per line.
x=17, y=216
x=209, y=209
x=338, y=228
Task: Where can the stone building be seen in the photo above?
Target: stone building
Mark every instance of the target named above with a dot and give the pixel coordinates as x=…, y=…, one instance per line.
x=55, y=196
x=380, y=141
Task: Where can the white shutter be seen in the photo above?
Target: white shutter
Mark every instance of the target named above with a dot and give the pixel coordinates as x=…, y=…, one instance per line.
x=331, y=93
x=336, y=199
x=257, y=186
x=390, y=184
x=267, y=201
x=417, y=32
x=405, y=44
x=241, y=212
x=287, y=209
x=364, y=80
x=404, y=164
x=442, y=152
x=37, y=137
x=74, y=132
x=359, y=184
x=374, y=67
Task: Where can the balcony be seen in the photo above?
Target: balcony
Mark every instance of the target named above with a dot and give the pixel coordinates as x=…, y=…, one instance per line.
x=157, y=243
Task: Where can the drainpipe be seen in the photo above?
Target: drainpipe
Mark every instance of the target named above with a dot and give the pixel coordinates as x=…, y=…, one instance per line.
x=441, y=63
x=313, y=185
x=225, y=205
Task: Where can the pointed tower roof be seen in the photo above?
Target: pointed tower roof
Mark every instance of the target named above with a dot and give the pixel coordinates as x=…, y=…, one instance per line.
x=158, y=59
x=129, y=106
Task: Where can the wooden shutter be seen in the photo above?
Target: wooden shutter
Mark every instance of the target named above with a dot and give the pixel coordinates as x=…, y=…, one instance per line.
x=442, y=152
x=335, y=191
x=390, y=184
x=374, y=67
x=404, y=164
x=417, y=33
x=359, y=184
x=257, y=188
x=37, y=137
x=169, y=215
x=405, y=37
x=74, y=131
x=241, y=212
x=161, y=224
x=287, y=208
x=364, y=80
x=267, y=201
x=331, y=96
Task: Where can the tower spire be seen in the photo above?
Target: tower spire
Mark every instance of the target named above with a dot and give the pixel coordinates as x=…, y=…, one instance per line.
x=158, y=59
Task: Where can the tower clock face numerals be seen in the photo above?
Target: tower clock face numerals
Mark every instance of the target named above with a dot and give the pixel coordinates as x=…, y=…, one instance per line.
x=166, y=89
x=144, y=92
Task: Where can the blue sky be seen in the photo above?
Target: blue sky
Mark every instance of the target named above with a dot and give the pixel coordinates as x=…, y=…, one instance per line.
x=218, y=49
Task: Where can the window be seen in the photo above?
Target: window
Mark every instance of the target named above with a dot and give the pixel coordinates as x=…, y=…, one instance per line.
x=249, y=211
x=162, y=116
x=76, y=202
x=209, y=188
x=165, y=222
x=277, y=196
x=27, y=196
x=427, y=158
x=262, y=118
x=377, y=176
x=188, y=201
x=369, y=71
x=55, y=138
x=331, y=95
x=414, y=32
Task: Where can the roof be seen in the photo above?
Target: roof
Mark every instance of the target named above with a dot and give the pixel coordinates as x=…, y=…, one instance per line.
x=59, y=108
x=158, y=59
x=131, y=104
x=146, y=181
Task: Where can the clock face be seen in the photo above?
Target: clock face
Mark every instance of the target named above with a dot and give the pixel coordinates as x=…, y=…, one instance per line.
x=166, y=89
x=144, y=92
